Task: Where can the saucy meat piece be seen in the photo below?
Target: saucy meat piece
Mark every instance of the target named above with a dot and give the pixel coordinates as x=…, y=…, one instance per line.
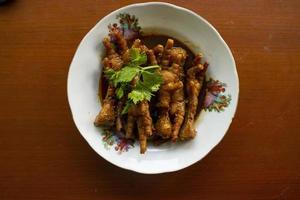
x=113, y=60
x=171, y=85
x=163, y=125
x=177, y=110
x=119, y=120
x=167, y=53
x=140, y=114
x=107, y=115
x=194, y=81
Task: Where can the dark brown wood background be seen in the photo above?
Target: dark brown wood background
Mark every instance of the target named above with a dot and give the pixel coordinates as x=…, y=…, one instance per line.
x=43, y=156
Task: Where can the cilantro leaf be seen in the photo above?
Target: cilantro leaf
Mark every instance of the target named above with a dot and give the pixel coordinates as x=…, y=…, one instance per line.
x=148, y=79
x=140, y=93
x=134, y=53
x=136, y=57
x=112, y=76
x=109, y=74
x=119, y=92
x=126, y=74
x=127, y=107
x=152, y=80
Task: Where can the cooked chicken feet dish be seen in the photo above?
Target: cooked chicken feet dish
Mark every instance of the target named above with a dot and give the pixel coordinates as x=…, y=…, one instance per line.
x=152, y=89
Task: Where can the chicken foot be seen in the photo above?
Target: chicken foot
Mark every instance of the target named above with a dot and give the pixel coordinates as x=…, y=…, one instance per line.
x=195, y=77
x=107, y=115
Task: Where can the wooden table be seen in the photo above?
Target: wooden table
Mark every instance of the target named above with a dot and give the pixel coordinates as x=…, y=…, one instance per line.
x=43, y=156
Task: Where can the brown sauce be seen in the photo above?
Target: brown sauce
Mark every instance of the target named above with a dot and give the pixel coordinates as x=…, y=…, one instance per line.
x=103, y=84
x=151, y=41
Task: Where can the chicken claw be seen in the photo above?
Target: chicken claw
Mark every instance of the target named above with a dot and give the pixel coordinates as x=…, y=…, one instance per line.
x=107, y=115
x=195, y=77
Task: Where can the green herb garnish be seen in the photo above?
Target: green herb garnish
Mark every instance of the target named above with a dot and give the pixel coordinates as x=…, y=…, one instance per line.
x=148, y=81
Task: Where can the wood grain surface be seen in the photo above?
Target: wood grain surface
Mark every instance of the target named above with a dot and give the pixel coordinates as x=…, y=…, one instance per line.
x=43, y=156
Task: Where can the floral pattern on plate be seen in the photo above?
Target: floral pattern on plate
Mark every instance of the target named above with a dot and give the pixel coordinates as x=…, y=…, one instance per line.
x=120, y=143
x=129, y=25
x=215, y=100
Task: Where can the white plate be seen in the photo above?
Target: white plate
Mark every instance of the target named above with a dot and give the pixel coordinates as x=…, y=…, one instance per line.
x=200, y=36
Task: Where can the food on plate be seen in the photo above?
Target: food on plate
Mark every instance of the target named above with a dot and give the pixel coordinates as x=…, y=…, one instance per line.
x=150, y=88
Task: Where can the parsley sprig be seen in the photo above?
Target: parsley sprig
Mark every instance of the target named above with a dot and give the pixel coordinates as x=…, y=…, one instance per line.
x=148, y=80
